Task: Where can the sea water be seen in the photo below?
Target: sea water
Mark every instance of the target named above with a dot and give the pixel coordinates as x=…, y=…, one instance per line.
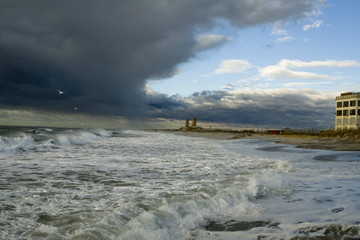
x=106, y=184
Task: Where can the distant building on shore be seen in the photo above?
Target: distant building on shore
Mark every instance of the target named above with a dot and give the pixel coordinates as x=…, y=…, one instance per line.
x=274, y=132
x=347, y=111
x=192, y=128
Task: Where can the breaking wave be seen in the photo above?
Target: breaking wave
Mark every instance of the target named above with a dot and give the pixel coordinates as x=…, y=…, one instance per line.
x=20, y=140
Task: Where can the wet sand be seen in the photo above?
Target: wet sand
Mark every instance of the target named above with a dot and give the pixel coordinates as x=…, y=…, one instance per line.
x=309, y=142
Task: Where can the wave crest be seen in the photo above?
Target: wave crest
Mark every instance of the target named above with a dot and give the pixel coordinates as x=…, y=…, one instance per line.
x=10, y=145
x=46, y=138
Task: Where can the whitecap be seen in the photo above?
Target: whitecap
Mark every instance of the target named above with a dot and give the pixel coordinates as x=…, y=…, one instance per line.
x=16, y=144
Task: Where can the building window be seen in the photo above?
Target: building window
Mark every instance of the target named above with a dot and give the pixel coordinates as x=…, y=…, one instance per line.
x=338, y=113
x=352, y=111
x=358, y=112
x=352, y=103
x=358, y=103
x=345, y=113
x=339, y=104
x=346, y=104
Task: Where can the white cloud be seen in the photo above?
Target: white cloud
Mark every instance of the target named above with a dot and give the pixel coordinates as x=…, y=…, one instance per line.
x=284, y=69
x=276, y=92
x=318, y=64
x=297, y=84
x=280, y=72
x=206, y=75
x=277, y=30
x=229, y=86
x=233, y=66
x=279, y=27
x=315, y=24
x=209, y=41
x=285, y=39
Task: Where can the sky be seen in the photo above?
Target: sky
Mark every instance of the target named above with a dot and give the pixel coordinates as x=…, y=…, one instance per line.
x=319, y=52
x=121, y=64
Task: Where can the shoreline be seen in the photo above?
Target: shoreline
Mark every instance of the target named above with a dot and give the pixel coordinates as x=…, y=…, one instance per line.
x=307, y=141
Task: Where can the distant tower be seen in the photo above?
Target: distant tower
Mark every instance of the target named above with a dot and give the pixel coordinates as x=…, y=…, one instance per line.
x=193, y=122
x=187, y=123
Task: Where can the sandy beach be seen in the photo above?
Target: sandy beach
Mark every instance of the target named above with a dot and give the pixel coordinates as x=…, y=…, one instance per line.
x=310, y=142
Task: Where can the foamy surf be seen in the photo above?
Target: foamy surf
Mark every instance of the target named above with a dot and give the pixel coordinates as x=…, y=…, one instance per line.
x=16, y=140
x=100, y=184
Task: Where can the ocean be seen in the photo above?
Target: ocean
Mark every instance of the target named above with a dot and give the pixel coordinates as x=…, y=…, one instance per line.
x=121, y=184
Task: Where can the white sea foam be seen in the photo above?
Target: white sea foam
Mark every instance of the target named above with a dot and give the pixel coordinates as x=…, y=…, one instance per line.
x=48, y=129
x=45, y=138
x=76, y=138
x=141, y=185
x=178, y=220
x=260, y=185
x=10, y=145
x=103, y=132
x=283, y=165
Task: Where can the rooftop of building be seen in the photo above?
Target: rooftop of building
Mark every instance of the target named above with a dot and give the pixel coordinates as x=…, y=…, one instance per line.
x=348, y=95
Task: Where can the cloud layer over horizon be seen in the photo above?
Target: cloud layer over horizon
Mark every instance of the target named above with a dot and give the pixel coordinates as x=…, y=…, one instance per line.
x=278, y=108
x=102, y=52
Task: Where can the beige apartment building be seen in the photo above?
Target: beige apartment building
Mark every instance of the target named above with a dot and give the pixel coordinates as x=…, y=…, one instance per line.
x=347, y=111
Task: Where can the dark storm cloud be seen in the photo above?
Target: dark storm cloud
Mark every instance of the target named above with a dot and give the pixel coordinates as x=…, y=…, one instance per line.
x=272, y=108
x=101, y=52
